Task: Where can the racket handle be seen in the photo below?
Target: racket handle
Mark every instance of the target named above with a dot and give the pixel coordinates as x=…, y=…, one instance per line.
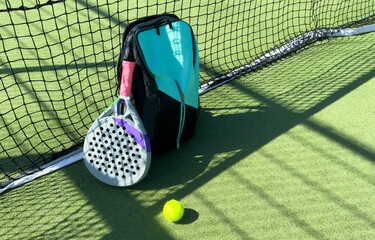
x=126, y=78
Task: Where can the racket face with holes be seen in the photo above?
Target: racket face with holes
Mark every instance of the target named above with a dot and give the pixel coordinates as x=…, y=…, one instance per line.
x=117, y=152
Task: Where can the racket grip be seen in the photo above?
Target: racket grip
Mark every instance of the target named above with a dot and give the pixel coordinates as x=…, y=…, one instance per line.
x=126, y=78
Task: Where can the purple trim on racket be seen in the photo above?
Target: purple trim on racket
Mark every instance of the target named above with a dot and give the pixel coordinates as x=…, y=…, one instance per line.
x=138, y=137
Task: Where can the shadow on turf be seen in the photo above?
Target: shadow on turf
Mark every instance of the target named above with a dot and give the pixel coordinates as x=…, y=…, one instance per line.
x=241, y=133
x=190, y=216
x=178, y=173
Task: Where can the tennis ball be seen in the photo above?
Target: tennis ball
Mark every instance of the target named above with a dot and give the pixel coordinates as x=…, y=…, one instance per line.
x=173, y=210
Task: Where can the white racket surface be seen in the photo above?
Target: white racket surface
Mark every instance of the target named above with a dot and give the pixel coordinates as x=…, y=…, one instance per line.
x=117, y=149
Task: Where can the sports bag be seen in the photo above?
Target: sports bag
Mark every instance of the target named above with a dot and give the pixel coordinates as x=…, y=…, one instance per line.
x=166, y=77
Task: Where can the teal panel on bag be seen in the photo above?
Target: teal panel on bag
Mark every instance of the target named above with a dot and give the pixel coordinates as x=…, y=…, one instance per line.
x=169, y=56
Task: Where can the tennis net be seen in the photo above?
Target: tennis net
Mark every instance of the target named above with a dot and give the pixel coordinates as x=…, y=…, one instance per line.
x=58, y=58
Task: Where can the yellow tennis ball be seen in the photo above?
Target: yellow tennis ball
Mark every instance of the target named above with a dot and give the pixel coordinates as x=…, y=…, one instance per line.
x=173, y=210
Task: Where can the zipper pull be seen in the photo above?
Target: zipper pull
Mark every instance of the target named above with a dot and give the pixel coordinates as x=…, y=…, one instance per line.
x=182, y=114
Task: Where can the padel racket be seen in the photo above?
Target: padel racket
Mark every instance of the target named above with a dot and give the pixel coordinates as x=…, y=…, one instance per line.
x=117, y=149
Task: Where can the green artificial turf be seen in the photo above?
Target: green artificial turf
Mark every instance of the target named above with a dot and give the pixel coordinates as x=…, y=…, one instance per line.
x=58, y=59
x=286, y=152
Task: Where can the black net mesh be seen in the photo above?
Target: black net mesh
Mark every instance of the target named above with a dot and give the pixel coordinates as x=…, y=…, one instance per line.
x=58, y=58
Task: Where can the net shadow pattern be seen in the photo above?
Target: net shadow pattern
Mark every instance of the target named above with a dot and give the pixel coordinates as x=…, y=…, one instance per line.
x=58, y=58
